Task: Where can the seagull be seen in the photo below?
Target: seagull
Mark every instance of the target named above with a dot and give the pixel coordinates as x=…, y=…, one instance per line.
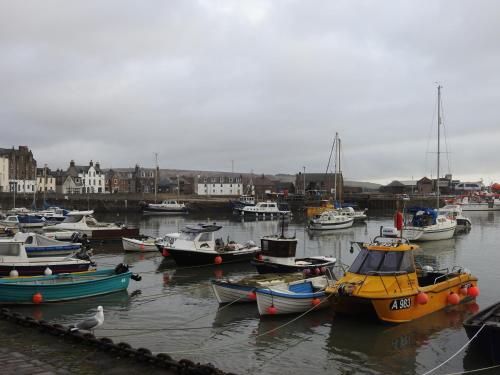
x=91, y=323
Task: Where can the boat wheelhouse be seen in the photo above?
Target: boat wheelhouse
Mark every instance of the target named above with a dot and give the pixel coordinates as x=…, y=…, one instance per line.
x=383, y=279
x=269, y=209
x=330, y=220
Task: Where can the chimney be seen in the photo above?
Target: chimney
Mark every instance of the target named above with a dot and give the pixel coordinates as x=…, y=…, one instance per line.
x=71, y=163
x=97, y=165
x=91, y=164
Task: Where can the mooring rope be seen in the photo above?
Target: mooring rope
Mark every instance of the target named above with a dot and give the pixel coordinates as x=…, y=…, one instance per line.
x=457, y=352
x=471, y=371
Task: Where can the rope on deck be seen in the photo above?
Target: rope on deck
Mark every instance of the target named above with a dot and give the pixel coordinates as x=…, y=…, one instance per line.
x=457, y=352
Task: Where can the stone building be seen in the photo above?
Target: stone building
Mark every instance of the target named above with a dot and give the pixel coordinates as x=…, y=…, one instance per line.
x=22, y=169
x=320, y=184
x=45, y=180
x=4, y=174
x=119, y=181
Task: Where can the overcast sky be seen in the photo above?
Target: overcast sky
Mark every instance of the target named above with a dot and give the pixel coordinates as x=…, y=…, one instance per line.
x=264, y=83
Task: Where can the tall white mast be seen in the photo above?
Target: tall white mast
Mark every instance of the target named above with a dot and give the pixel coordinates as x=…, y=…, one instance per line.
x=156, y=173
x=336, y=145
x=438, y=146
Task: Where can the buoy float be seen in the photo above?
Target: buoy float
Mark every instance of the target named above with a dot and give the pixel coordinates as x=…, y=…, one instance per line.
x=463, y=291
x=422, y=298
x=218, y=259
x=453, y=298
x=37, y=298
x=141, y=246
x=251, y=295
x=307, y=271
x=317, y=271
x=473, y=291
x=260, y=257
x=165, y=253
x=323, y=269
x=14, y=273
x=473, y=307
x=47, y=271
x=271, y=310
x=315, y=301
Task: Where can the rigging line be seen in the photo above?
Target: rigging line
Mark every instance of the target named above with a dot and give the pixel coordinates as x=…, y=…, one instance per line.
x=429, y=136
x=256, y=336
x=329, y=160
x=471, y=371
x=443, y=122
x=457, y=352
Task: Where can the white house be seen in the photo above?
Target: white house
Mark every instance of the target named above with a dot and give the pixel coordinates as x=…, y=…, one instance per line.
x=4, y=174
x=91, y=177
x=218, y=185
x=22, y=186
x=45, y=181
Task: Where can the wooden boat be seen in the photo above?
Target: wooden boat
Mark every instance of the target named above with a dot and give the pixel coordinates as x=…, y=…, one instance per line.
x=63, y=287
x=383, y=279
x=278, y=256
x=38, y=245
x=292, y=298
x=243, y=289
x=146, y=245
x=197, y=245
x=488, y=340
x=14, y=260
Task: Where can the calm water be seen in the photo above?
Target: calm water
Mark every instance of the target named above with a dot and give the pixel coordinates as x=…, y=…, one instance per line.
x=173, y=310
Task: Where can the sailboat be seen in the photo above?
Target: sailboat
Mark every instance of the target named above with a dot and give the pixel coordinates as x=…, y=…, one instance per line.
x=428, y=224
x=332, y=219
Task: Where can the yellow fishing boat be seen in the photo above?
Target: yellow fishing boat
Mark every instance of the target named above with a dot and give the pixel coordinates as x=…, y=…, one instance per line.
x=325, y=205
x=384, y=279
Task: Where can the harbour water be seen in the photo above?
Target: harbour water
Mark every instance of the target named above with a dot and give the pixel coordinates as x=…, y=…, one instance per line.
x=173, y=310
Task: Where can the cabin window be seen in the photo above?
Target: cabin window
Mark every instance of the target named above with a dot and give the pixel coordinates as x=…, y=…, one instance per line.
x=72, y=219
x=276, y=248
x=187, y=236
x=374, y=261
x=9, y=249
x=204, y=237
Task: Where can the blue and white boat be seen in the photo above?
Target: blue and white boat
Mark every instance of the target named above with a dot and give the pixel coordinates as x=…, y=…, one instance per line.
x=64, y=287
x=24, y=221
x=293, y=298
x=38, y=245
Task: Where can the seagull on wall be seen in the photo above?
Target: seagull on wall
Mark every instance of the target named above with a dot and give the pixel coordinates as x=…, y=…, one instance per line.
x=91, y=323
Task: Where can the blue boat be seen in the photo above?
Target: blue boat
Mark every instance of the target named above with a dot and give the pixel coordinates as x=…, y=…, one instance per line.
x=38, y=245
x=64, y=287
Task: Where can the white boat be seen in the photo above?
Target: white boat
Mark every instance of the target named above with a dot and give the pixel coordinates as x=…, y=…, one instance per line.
x=454, y=211
x=477, y=203
x=132, y=244
x=330, y=220
x=268, y=208
x=357, y=215
x=243, y=289
x=38, y=245
x=293, y=298
x=23, y=221
x=14, y=261
x=85, y=223
x=197, y=245
x=53, y=214
x=166, y=207
x=162, y=244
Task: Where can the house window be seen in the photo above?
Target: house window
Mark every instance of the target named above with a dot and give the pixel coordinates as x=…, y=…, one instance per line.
x=230, y=179
x=221, y=185
x=204, y=179
x=213, y=179
x=221, y=191
x=213, y=185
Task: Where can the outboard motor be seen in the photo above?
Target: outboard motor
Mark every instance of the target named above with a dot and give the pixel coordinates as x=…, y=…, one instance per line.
x=83, y=255
x=121, y=268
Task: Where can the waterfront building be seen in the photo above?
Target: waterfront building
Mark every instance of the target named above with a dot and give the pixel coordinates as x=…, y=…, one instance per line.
x=45, y=180
x=4, y=174
x=319, y=184
x=71, y=185
x=145, y=179
x=91, y=177
x=22, y=169
x=119, y=181
x=222, y=184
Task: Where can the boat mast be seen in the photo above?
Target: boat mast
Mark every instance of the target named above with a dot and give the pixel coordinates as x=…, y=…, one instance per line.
x=340, y=193
x=336, y=145
x=156, y=173
x=438, y=146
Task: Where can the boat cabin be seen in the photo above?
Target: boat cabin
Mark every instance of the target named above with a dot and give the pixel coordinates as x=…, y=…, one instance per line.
x=247, y=199
x=424, y=217
x=278, y=249
x=12, y=251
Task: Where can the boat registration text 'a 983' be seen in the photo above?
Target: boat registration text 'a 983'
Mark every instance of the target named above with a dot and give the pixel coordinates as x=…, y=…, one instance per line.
x=400, y=304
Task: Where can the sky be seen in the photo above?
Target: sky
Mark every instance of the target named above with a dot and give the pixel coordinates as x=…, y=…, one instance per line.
x=254, y=85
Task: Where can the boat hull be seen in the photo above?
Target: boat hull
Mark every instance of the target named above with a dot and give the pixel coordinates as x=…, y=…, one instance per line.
x=133, y=245
x=287, y=303
x=47, y=251
x=197, y=257
x=488, y=340
x=64, y=287
x=330, y=226
x=226, y=293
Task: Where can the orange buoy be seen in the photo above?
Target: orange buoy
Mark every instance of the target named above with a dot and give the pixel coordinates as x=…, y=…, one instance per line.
x=473, y=291
x=260, y=257
x=141, y=246
x=218, y=259
x=37, y=298
x=165, y=253
x=463, y=290
x=422, y=298
x=315, y=301
x=251, y=295
x=317, y=271
x=323, y=269
x=473, y=307
x=271, y=310
x=453, y=298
